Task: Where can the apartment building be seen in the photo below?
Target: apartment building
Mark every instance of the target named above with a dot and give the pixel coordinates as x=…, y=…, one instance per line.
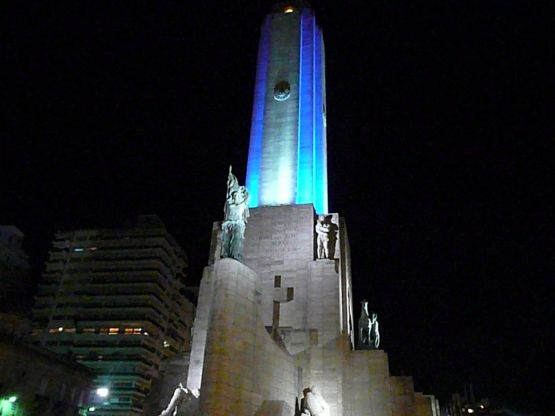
x=114, y=300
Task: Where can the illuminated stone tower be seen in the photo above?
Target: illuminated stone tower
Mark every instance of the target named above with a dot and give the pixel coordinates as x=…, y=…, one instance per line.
x=278, y=325
x=287, y=153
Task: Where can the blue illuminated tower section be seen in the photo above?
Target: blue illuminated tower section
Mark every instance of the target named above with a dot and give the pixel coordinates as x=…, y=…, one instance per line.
x=287, y=155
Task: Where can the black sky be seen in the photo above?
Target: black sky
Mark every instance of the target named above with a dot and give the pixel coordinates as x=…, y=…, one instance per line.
x=439, y=144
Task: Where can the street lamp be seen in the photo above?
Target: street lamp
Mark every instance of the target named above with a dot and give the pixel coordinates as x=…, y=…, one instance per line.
x=102, y=392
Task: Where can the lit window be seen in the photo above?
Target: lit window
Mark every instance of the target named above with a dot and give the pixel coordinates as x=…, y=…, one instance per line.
x=138, y=330
x=92, y=248
x=78, y=249
x=104, y=331
x=52, y=330
x=289, y=9
x=70, y=330
x=128, y=331
x=89, y=330
x=113, y=331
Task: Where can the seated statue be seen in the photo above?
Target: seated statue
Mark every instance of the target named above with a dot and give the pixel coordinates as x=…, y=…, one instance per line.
x=181, y=395
x=314, y=404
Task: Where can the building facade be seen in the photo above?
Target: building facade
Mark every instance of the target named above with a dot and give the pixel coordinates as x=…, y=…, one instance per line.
x=37, y=382
x=113, y=300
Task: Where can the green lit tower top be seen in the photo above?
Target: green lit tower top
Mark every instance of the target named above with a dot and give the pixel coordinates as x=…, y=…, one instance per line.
x=287, y=153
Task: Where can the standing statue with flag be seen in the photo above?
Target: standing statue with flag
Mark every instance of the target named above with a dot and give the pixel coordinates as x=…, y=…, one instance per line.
x=236, y=213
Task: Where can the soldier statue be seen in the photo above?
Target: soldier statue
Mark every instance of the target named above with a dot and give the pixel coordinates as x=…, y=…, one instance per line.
x=236, y=212
x=314, y=404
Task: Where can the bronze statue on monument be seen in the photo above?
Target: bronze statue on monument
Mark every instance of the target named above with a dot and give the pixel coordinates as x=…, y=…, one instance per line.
x=236, y=213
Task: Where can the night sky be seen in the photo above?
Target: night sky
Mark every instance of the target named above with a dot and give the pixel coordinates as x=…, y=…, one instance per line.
x=439, y=157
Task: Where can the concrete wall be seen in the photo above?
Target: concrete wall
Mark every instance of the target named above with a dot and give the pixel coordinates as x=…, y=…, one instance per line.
x=402, y=392
x=280, y=241
x=424, y=405
x=367, y=384
x=239, y=364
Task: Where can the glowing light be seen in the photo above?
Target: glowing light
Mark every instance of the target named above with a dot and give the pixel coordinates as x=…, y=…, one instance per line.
x=481, y=406
x=78, y=249
x=12, y=399
x=92, y=409
x=102, y=391
x=289, y=10
x=470, y=410
x=60, y=329
x=166, y=344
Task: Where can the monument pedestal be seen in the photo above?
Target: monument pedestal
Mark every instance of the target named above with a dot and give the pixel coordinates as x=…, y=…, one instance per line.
x=234, y=361
x=282, y=322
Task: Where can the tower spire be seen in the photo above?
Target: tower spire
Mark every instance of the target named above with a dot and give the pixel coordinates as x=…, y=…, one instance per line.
x=287, y=153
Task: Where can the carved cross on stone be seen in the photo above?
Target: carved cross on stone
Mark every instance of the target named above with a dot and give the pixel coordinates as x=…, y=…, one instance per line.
x=281, y=295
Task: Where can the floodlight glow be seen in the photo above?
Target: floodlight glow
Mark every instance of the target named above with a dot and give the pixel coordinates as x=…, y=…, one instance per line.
x=12, y=399
x=289, y=10
x=102, y=392
x=60, y=329
x=92, y=409
x=470, y=410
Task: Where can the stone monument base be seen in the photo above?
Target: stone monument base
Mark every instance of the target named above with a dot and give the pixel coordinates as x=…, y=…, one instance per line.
x=234, y=361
